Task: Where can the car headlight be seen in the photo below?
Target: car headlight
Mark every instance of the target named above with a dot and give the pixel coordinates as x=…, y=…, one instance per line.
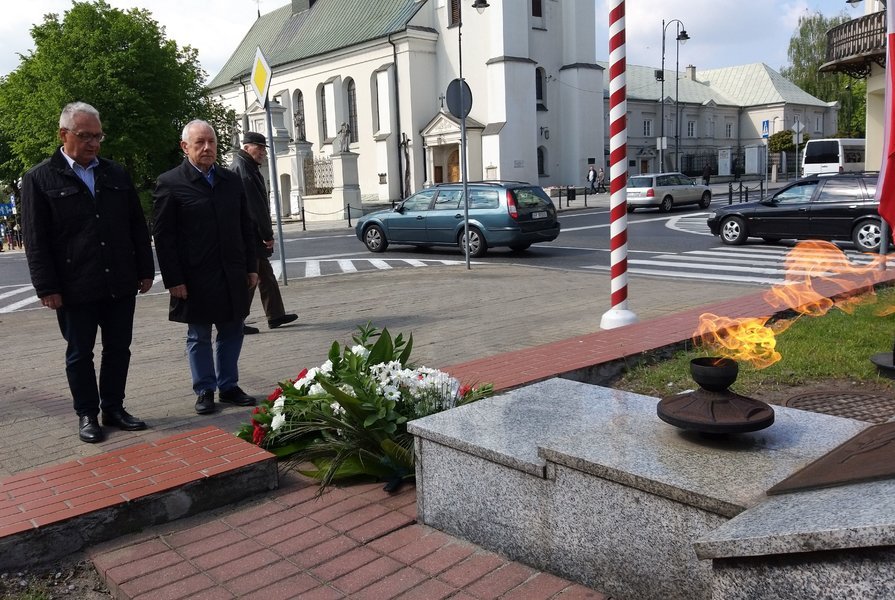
x=713, y=215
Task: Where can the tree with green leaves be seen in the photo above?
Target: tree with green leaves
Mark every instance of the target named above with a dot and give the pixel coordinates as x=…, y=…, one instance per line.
x=145, y=87
x=807, y=52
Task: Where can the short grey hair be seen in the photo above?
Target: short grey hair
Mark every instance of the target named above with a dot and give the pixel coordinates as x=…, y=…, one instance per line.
x=185, y=134
x=67, y=118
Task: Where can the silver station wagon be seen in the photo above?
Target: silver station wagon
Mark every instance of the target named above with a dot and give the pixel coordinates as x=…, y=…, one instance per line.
x=665, y=191
x=514, y=214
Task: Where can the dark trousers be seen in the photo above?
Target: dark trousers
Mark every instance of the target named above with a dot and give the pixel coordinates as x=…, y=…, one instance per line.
x=269, y=288
x=78, y=323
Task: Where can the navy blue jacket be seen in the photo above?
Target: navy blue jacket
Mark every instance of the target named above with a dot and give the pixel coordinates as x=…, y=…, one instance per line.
x=204, y=240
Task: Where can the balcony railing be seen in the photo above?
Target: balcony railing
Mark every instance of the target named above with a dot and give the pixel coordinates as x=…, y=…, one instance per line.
x=853, y=46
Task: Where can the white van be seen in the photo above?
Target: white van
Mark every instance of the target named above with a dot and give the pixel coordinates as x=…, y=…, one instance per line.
x=833, y=155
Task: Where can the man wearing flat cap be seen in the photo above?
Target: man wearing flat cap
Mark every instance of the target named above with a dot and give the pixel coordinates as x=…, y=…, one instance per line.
x=247, y=164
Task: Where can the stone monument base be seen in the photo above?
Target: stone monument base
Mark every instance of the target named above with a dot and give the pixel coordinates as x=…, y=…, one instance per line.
x=588, y=483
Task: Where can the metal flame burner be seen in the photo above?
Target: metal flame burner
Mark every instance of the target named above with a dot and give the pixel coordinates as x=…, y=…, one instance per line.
x=713, y=408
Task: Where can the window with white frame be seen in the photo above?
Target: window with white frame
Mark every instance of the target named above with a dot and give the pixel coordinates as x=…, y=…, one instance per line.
x=351, y=96
x=691, y=128
x=647, y=128
x=728, y=131
x=817, y=124
x=324, y=129
x=536, y=8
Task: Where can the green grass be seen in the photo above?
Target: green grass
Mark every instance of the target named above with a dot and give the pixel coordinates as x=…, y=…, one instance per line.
x=835, y=346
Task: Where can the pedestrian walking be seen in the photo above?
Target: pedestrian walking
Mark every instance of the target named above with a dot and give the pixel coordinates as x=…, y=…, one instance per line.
x=706, y=173
x=591, y=178
x=601, y=181
x=247, y=164
x=88, y=251
x=206, y=253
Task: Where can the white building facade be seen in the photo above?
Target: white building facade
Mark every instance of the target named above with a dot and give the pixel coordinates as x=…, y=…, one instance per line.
x=383, y=68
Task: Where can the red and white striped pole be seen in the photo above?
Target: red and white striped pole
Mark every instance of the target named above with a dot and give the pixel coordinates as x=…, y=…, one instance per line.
x=618, y=314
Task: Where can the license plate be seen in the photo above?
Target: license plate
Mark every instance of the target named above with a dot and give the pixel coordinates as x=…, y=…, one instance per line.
x=541, y=214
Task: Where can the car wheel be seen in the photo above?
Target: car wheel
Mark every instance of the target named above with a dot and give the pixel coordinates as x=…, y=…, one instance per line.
x=867, y=235
x=733, y=231
x=374, y=239
x=519, y=247
x=706, y=200
x=666, y=204
x=477, y=244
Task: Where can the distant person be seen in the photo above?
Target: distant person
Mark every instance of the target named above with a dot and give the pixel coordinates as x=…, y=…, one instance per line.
x=89, y=254
x=601, y=181
x=591, y=178
x=246, y=164
x=206, y=253
x=706, y=173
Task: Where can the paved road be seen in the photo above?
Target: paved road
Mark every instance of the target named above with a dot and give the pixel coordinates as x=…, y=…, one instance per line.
x=454, y=314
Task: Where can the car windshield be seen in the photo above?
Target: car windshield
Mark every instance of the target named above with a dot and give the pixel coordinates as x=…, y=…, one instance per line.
x=640, y=182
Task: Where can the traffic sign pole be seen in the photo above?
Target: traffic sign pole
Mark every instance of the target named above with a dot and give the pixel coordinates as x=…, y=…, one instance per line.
x=260, y=80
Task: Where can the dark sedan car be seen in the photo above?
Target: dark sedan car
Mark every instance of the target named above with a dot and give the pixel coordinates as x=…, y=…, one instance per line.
x=831, y=207
x=501, y=213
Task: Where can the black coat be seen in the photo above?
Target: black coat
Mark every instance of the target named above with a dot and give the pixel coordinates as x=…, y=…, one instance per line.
x=83, y=247
x=203, y=239
x=256, y=197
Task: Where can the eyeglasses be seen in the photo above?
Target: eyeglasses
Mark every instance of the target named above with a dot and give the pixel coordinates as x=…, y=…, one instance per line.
x=88, y=137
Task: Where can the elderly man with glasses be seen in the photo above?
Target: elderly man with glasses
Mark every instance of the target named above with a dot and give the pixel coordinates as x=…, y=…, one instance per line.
x=89, y=254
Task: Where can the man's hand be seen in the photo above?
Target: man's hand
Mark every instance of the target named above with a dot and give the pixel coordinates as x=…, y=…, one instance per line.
x=178, y=291
x=53, y=301
x=253, y=280
x=143, y=285
x=268, y=244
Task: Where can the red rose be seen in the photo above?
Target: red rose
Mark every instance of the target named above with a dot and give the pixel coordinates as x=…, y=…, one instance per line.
x=258, y=435
x=301, y=375
x=274, y=395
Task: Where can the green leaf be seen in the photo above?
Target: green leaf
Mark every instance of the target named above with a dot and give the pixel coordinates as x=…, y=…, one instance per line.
x=405, y=354
x=383, y=350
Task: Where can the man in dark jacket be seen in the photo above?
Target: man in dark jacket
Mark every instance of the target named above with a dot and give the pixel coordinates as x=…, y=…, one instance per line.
x=206, y=253
x=246, y=165
x=89, y=254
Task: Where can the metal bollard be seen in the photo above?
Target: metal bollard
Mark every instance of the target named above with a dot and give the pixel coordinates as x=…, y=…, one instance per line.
x=729, y=193
x=303, y=220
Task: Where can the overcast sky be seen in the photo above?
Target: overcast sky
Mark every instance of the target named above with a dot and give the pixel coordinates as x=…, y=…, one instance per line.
x=723, y=32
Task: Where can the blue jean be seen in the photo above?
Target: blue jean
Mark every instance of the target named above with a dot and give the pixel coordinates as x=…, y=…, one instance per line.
x=218, y=369
x=78, y=324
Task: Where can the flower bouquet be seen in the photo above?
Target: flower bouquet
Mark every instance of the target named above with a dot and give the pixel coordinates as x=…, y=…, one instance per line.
x=348, y=417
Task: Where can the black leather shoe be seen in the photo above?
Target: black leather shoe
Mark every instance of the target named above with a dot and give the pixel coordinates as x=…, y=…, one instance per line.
x=249, y=330
x=237, y=397
x=122, y=419
x=89, y=430
x=277, y=321
x=205, y=403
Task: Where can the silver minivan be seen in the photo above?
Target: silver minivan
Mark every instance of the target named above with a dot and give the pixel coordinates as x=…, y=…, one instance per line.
x=666, y=190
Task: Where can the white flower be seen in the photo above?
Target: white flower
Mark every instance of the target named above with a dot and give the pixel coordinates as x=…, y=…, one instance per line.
x=278, y=405
x=278, y=421
x=337, y=409
x=360, y=350
x=390, y=392
x=327, y=367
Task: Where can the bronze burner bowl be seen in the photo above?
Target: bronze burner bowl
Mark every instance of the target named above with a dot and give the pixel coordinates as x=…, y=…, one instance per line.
x=714, y=373
x=713, y=408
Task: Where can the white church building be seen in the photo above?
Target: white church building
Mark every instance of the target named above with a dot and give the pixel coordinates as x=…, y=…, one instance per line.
x=383, y=68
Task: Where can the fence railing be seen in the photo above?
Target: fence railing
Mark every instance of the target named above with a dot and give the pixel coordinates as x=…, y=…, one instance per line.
x=741, y=191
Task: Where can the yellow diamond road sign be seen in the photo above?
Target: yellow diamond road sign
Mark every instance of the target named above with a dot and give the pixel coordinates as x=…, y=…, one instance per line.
x=260, y=77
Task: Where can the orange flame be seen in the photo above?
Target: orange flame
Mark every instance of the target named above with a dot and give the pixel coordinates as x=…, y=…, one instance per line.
x=818, y=275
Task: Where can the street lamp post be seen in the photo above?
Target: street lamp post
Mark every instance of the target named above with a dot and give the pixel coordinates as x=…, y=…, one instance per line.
x=480, y=6
x=681, y=37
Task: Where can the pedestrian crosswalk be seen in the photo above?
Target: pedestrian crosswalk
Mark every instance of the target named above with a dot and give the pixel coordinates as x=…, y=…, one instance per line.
x=748, y=265
x=22, y=297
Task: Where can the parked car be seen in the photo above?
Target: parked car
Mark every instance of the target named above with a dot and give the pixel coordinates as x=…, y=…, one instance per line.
x=824, y=207
x=501, y=213
x=666, y=190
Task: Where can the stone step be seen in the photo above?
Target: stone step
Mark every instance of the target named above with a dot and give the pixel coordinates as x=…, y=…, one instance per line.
x=49, y=513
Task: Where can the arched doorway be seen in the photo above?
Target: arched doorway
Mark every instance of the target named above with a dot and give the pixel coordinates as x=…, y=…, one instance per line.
x=453, y=165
